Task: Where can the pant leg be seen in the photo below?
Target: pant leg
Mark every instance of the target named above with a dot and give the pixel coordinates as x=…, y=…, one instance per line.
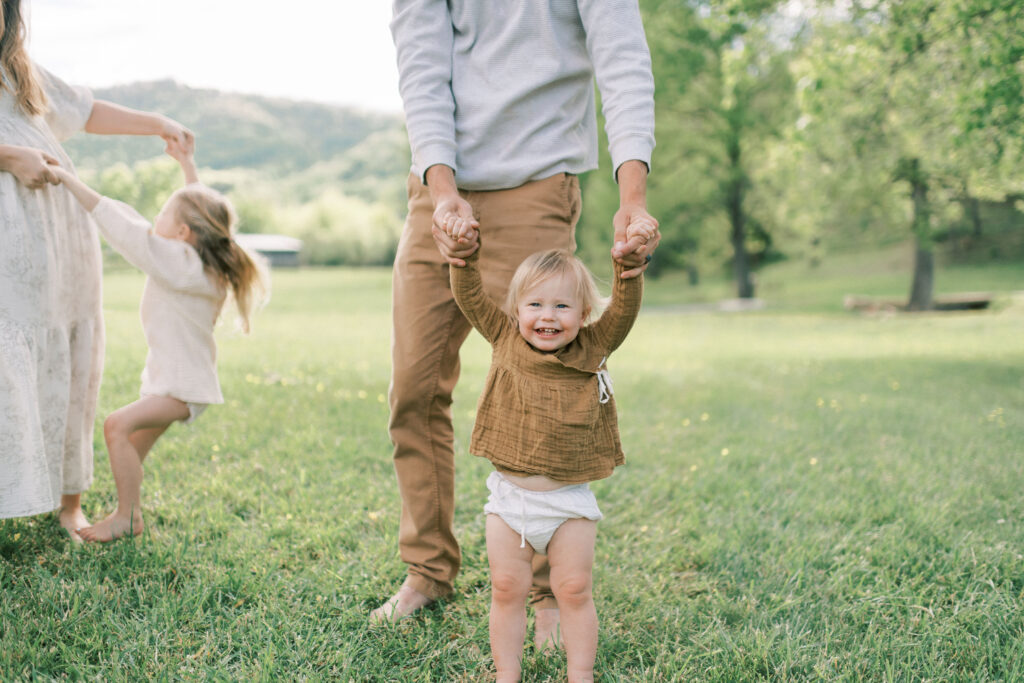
x=428, y=332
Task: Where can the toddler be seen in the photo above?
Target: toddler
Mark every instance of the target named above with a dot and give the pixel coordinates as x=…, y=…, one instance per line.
x=191, y=260
x=547, y=421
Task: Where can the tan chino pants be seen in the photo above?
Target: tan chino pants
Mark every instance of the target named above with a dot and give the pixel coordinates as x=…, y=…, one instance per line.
x=429, y=330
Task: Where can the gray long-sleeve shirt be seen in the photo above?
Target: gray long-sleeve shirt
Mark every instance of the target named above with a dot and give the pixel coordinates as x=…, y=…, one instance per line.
x=503, y=92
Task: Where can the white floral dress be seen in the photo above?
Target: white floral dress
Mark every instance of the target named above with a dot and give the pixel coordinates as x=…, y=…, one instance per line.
x=51, y=325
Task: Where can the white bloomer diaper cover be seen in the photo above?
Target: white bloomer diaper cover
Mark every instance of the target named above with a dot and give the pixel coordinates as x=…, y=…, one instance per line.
x=536, y=515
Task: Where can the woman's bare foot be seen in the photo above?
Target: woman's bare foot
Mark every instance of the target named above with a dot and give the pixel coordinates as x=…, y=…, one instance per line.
x=112, y=528
x=403, y=603
x=73, y=518
x=547, y=634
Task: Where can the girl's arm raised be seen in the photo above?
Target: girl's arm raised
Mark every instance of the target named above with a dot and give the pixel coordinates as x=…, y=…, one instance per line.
x=616, y=321
x=468, y=290
x=85, y=195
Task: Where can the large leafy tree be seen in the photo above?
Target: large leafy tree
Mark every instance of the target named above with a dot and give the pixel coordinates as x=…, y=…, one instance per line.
x=925, y=95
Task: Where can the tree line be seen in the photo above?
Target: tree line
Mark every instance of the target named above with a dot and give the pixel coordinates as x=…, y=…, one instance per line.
x=789, y=128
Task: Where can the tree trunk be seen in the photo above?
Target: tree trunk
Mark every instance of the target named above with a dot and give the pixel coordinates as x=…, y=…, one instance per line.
x=737, y=221
x=923, y=286
x=974, y=211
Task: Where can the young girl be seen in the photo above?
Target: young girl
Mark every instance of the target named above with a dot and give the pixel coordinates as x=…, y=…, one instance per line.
x=547, y=421
x=191, y=260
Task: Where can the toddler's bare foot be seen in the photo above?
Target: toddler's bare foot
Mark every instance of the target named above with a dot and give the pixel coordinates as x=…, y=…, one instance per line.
x=403, y=603
x=547, y=634
x=72, y=519
x=112, y=528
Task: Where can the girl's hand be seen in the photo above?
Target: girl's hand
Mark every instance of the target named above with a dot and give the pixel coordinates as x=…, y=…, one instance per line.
x=179, y=151
x=173, y=132
x=32, y=167
x=644, y=229
x=462, y=230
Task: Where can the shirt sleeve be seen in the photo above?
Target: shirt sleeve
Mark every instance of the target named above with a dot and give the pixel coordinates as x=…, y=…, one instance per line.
x=424, y=38
x=611, y=328
x=622, y=67
x=174, y=263
x=481, y=311
x=69, y=106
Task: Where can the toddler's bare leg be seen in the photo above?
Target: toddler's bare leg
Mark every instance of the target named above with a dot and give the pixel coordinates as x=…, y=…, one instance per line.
x=511, y=577
x=130, y=433
x=571, y=553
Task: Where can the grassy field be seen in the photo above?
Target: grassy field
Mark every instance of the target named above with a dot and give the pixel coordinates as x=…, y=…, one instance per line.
x=808, y=495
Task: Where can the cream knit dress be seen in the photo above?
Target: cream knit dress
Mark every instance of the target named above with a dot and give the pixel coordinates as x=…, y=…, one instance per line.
x=180, y=305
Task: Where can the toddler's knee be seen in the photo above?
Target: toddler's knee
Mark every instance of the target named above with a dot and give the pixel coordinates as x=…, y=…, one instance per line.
x=509, y=589
x=573, y=591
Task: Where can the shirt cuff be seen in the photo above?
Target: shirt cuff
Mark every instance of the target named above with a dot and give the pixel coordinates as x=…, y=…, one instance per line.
x=431, y=154
x=625, y=149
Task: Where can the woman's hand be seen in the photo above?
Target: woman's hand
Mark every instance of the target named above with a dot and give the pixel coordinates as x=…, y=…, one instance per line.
x=32, y=167
x=174, y=133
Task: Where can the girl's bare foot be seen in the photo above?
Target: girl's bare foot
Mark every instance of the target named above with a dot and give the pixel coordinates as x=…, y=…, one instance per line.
x=403, y=603
x=72, y=518
x=112, y=528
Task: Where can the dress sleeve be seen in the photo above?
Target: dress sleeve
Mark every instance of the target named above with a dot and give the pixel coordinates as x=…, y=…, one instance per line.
x=69, y=106
x=174, y=263
x=424, y=38
x=617, y=320
x=468, y=290
x=622, y=67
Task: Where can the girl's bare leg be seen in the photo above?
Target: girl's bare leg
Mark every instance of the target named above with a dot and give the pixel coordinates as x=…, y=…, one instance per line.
x=571, y=553
x=511, y=577
x=130, y=433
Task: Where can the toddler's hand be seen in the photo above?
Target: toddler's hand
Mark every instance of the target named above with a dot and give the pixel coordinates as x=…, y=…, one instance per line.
x=462, y=230
x=643, y=229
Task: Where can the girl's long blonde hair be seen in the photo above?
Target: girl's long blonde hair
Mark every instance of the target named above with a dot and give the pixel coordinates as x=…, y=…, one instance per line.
x=543, y=265
x=22, y=80
x=212, y=220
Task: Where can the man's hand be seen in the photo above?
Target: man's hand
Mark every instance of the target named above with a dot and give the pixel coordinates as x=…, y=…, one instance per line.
x=454, y=227
x=636, y=231
x=32, y=167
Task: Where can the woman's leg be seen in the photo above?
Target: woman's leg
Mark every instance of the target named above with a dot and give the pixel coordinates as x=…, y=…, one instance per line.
x=71, y=515
x=511, y=576
x=130, y=433
x=571, y=554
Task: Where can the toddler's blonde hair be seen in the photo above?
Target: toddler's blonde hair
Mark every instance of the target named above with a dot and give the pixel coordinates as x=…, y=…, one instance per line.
x=554, y=263
x=212, y=220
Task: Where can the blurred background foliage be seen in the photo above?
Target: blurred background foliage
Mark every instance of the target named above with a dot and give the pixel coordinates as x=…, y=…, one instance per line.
x=787, y=131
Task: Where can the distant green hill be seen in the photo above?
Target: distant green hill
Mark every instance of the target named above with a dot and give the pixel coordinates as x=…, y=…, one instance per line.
x=247, y=131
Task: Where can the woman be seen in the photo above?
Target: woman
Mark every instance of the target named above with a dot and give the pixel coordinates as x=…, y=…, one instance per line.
x=51, y=325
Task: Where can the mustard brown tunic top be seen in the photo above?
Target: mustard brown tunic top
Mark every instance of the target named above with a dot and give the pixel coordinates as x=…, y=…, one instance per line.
x=541, y=413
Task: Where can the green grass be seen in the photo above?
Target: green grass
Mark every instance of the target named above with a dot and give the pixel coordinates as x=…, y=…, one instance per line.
x=806, y=497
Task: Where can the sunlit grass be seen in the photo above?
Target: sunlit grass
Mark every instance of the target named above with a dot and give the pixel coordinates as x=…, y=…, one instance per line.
x=806, y=497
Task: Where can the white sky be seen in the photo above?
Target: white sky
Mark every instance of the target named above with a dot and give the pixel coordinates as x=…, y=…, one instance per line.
x=334, y=51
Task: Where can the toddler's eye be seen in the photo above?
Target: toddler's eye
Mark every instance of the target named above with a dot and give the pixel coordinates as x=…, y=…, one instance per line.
x=562, y=306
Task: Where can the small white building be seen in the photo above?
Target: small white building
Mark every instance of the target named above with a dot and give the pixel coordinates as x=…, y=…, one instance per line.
x=280, y=250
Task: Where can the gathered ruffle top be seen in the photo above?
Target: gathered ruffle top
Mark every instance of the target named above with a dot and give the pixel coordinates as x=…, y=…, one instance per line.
x=542, y=413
